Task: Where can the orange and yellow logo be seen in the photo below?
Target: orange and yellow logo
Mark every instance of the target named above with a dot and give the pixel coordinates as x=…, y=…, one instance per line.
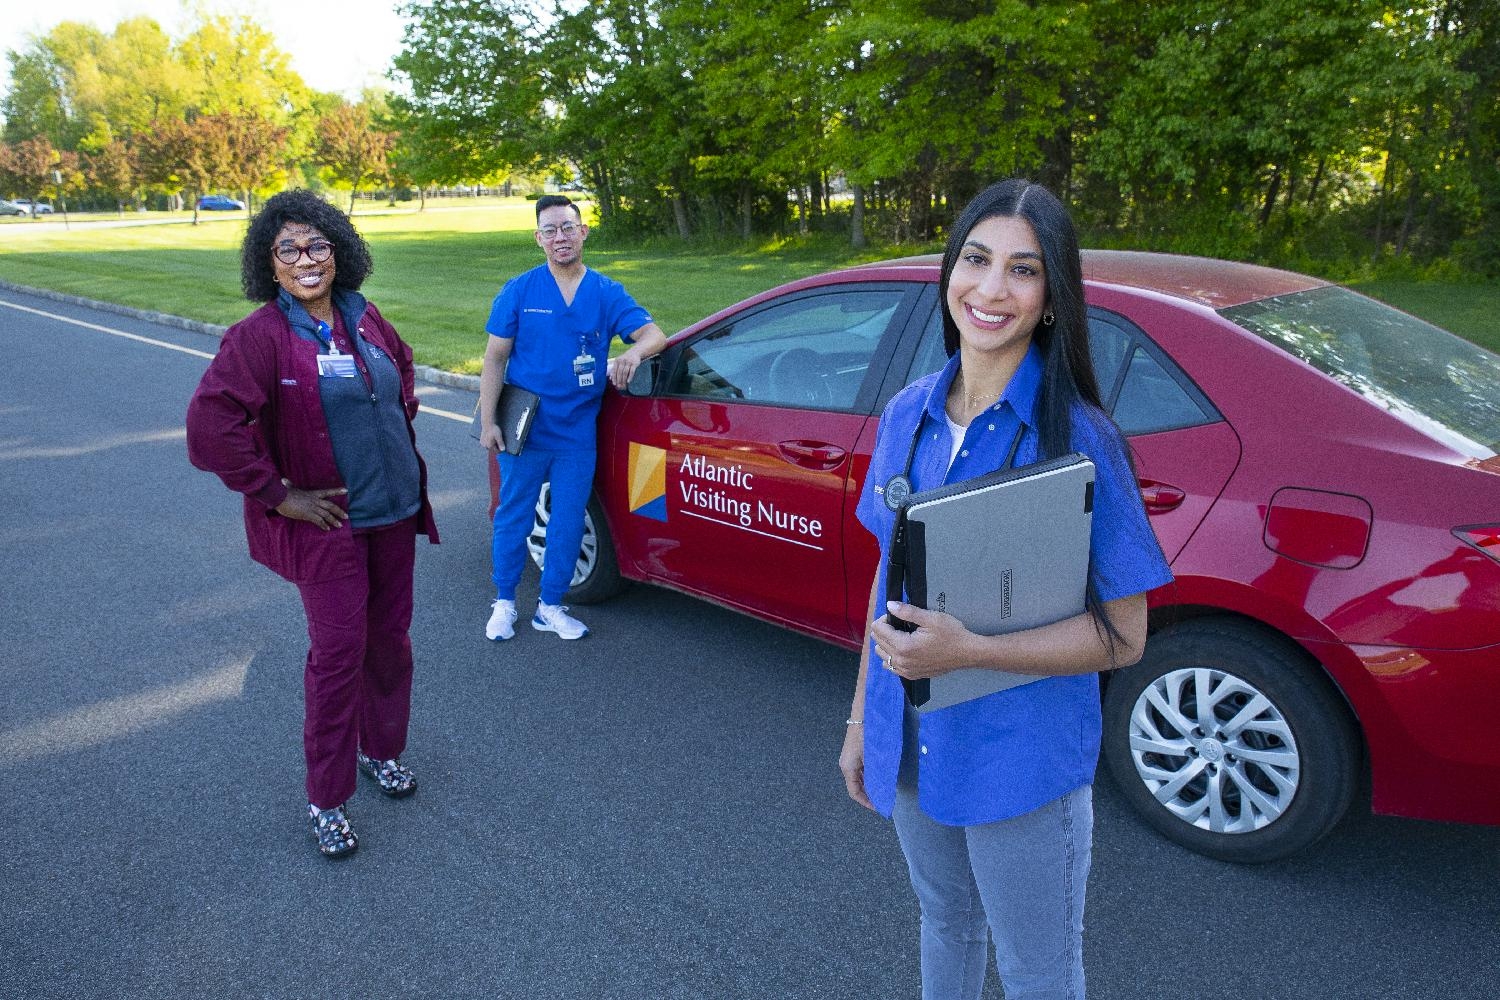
x=648, y=481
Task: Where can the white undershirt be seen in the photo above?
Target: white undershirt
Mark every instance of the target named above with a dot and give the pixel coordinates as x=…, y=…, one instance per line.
x=956, y=432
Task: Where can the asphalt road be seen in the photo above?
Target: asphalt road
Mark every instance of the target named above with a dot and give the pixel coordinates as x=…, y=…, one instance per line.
x=653, y=812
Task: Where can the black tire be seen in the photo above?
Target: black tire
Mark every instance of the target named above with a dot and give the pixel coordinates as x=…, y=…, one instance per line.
x=596, y=577
x=1265, y=788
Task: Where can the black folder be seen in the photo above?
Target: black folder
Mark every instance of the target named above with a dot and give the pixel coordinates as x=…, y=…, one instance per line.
x=1001, y=553
x=515, y=412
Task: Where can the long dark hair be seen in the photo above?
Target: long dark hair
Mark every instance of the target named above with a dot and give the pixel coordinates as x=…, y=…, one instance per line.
x=1067, y=369
x=351, y=256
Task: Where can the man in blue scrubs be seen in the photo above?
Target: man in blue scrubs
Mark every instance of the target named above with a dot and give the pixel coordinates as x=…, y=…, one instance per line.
x=550, y=330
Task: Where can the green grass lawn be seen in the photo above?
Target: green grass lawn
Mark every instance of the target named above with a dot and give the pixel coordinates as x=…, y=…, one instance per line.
x=436, y=272
x=1470, y=310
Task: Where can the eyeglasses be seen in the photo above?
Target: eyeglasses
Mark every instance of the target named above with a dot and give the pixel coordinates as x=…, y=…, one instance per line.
x=553, y=232
x=317, y=251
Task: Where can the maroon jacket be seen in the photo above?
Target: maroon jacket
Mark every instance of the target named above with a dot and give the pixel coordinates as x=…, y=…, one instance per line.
x=257, y=418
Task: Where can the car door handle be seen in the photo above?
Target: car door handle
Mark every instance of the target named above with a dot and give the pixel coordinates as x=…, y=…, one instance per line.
x=1159, y=497
x=813, y=454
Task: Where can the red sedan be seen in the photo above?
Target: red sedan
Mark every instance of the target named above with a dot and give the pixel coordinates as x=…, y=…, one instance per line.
x=1321, y=471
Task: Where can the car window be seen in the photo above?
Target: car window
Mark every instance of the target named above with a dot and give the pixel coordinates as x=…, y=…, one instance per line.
x=1108, y=345
x=931, y=354
x=1139, y=385
x=1418, y=372
x=811, y=350
x=1152, y=400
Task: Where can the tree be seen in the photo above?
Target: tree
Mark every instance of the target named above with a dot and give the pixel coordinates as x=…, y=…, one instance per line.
x=427, y=152
x=352, y=149
x=38, y=103
x=768, y=106
x=475, y=79
x=171, y=156
x=112, y=170
x=141, y=79
x=236, y=67
x=26, y=167
x=1477, y=119
x=1293, y=84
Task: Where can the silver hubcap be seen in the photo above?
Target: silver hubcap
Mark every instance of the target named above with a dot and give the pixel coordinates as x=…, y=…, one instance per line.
x=536, y=542
x=1214, y=750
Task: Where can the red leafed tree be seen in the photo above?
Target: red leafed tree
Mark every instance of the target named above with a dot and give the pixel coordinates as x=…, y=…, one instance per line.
x=26, y=167
x=112, y=169
x=352, y=149
x=247, y=149
x=170, y=154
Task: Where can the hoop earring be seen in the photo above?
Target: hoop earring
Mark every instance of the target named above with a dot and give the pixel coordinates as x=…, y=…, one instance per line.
x=1048, y=318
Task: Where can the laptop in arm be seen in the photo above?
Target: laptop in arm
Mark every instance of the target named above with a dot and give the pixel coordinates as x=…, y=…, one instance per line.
x=1001, y=553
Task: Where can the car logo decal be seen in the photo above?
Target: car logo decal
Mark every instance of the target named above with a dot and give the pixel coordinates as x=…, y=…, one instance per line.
x=648, y=481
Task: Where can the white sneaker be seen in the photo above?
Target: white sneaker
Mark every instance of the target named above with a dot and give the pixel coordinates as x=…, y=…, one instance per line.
x=555, y=618
x=502, y=623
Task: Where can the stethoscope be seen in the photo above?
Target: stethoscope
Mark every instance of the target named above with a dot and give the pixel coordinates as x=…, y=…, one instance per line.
x=898, y=487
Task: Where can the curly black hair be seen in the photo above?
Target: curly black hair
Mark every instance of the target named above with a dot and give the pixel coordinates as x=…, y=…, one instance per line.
x=350, y=251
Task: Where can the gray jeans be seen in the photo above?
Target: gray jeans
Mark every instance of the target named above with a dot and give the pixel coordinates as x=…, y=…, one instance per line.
x=1022, y=879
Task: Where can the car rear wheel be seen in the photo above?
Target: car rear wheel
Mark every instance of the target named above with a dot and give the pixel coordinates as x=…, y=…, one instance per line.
x=596, y=577
x=1228, y=740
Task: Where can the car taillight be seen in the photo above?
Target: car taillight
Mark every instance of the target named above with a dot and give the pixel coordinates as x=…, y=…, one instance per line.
x=1484, y=537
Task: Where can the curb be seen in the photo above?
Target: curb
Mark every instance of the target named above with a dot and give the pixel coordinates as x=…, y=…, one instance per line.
x=425, y=373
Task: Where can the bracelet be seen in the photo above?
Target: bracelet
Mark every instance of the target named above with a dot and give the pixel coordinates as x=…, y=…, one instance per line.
x=854, y=722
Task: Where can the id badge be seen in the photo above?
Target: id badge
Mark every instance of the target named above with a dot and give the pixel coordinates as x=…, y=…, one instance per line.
x=583, y=367
x=336, y=365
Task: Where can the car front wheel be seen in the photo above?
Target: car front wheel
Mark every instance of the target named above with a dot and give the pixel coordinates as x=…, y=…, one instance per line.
x=596, y=576
x=1228, y=740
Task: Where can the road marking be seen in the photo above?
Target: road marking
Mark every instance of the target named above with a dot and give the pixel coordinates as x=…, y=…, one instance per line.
x=108, y=330
x=462, y=418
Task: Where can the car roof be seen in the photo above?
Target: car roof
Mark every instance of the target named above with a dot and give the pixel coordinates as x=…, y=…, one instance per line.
x=1204, y=280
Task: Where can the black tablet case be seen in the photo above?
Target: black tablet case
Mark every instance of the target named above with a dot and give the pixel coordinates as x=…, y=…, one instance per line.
x=515, y=412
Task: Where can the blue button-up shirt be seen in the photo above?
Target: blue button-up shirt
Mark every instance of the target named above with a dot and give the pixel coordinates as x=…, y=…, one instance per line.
x=1007, y=753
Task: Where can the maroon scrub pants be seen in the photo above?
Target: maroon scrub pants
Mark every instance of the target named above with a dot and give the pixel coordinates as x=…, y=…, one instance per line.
x=359, y=665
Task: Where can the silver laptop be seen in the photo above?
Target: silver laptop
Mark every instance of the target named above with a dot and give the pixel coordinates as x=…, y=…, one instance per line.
x=1001, y=553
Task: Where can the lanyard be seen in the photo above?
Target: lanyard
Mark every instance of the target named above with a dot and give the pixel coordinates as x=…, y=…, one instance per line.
x=324, y=333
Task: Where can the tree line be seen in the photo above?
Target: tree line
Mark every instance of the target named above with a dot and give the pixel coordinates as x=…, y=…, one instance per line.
x=1265, y=129
x=119, y=117
x=1238, y=124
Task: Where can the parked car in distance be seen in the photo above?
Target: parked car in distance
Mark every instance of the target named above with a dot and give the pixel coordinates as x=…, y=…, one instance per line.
x=11, y=208
x=219, y=203
x=1321, y=471
x=32, y=207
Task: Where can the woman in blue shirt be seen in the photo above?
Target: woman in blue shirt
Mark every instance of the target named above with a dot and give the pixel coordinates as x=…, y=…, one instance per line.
x=992, y=798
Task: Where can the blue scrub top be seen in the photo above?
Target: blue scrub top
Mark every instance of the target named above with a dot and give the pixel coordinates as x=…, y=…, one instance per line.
x=549, y=335
x=1010, y=752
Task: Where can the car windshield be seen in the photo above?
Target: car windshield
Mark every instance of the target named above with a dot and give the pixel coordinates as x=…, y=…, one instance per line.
x=1433, y=380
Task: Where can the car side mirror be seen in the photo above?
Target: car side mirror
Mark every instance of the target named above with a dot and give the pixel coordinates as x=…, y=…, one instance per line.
x=643, y=381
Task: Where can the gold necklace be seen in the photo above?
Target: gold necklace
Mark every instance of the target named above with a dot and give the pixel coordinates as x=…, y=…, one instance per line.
x=975, y=402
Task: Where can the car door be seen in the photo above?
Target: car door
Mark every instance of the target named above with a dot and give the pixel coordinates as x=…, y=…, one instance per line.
x=757, y=420
x=1184, y=450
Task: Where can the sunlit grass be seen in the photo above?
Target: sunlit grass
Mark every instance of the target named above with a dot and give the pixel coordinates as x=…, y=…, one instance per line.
x=1472, y=311
x=437, y=271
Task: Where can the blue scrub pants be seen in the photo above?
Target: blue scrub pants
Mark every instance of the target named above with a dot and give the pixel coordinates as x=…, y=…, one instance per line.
x=521, y=477
x=1021, y=880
